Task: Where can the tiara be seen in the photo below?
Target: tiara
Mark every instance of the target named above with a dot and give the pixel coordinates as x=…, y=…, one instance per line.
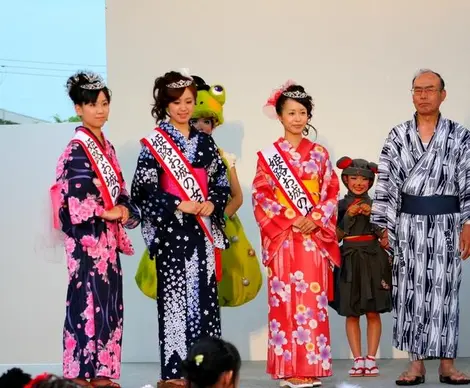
x=295, y=94
x=182, y=83
x=94, y=82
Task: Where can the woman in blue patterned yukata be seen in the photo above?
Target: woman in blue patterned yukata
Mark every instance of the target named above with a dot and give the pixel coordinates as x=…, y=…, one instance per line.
x=181, y=187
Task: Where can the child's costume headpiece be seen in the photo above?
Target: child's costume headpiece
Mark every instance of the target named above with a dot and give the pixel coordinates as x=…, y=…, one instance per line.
x=358, y=167
x=210, y=101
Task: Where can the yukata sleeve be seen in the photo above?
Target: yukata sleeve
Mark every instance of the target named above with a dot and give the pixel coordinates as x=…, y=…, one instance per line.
x=82, y=202
x=324, y=214
x=218, y=185
x=125, y=200
x=463, y=178
x=386, y=197
x=155, y=204
x=274, y=220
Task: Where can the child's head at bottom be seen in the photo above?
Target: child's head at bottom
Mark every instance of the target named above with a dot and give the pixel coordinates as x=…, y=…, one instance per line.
x=212, y=363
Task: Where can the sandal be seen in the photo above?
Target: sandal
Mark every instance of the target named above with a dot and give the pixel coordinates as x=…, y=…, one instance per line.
x=370, y=367
x=454, y=378
x=103, y=382
x=173, y=383
x=81, y=382
x=300, y=382
x=358, y=368
x=408, y=379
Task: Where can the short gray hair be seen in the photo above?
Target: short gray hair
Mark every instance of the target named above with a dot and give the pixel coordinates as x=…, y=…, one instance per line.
x=426, y=71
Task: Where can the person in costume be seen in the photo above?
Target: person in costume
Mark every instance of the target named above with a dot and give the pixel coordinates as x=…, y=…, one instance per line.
x=241, y=277
x=92, y=207
x=363, y=282
x=180, y=185
x=295, y=197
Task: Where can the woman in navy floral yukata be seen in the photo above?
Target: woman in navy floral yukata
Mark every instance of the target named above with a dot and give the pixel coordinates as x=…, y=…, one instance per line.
x=181, y=187
x=92, y=207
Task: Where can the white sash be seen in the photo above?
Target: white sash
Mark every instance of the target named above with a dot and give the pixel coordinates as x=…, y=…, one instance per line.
x=287, y=180
x=107, y=173
x=176, y=165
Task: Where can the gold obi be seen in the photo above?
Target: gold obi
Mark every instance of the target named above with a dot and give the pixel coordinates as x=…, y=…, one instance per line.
x=312, y=186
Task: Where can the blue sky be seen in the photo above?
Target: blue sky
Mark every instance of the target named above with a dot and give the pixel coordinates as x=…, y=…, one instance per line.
x=51, y=39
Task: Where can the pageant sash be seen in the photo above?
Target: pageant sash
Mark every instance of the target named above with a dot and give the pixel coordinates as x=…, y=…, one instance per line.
x=286, y=180
x=103, y=166
x=178, y=168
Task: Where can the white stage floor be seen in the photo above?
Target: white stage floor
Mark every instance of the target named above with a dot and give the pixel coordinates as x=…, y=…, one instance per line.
x=253, y=375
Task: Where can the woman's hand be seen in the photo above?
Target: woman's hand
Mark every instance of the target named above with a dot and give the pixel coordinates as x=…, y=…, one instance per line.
x=190, y=207
x=207, y=208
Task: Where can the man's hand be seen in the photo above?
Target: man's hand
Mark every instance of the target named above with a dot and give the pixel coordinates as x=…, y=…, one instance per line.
x=464, y=243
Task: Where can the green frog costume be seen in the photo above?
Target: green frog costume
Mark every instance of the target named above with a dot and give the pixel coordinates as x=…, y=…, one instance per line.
x=241, y=272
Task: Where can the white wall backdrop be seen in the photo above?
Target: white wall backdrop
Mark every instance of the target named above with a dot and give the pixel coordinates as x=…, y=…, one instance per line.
x=356, y=58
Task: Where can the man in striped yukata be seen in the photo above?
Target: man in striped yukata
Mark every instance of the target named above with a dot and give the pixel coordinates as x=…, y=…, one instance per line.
x=422, y=198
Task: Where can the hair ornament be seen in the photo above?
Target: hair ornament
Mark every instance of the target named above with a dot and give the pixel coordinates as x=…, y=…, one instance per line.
x=269, y=108
x=93, y=81
x=182, y=83
x=198, y=359
x=37, y=379
x=295, y=94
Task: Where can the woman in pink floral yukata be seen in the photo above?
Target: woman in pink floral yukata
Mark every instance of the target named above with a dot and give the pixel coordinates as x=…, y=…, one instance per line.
x=295, y=194
x=92, y=207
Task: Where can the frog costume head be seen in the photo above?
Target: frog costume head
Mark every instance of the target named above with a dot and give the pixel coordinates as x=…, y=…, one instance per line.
x=210, y=101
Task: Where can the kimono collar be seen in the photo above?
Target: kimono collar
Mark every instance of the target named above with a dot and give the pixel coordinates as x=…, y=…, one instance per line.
x=414, y=122
x=350, y=197
x=170, y=129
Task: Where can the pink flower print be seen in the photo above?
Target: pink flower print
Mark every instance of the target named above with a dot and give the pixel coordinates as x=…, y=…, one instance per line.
x=102, y=267
x=285, y=146
x=310, y=167
x=309, y=245
x=298, y=275
x=265, y=205
x=99, y=251
x=276, y=285
x=316, y=155
x=321, y=340
x=300, y=318
x=73, y=370
x=70, y=342
x=309, y=313
x=90, y=328
x=287, y=355
x=328, y=210
x=86, y=210
x=285, y=244
x=72, y=266
x=312, y=358
x=276, y=208
x=313, y=324
x=69, y=245
x=302, y=335
x=264, y=255
x=273, y=301
x=105, y=359
x=285, y=295
x=89, y=310
x=321, y=316
x=322, y=300
x=89, y=241
x=301, y=286
x=278, y=338
x=74, y=210
x=325, y=352
x=259, y=196
x=274, y=326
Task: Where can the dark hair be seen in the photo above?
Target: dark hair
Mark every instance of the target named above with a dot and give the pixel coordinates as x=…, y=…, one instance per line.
x=14, y=378
x=208, y=359
x=163, y=95
x=84, y=88
x=307, y=102
x=54, y=381
x=426, y=71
